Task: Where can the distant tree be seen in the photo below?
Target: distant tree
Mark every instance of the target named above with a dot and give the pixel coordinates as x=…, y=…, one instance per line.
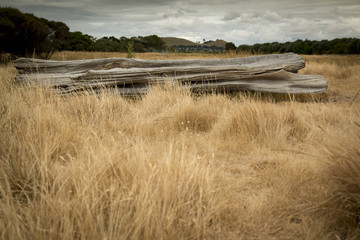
x=107, y=44
x=130, y=50
x=58, y=32
x=244, y=48
x=321, y=47
x=26, y=35
x=256, y=48
x=302, y=47
x=335, y=46
x=20, y=34
x=124, y=42
x=352, y=46
x=230, y=46
x=153, y=43
x=139, y=46
x=76, y=41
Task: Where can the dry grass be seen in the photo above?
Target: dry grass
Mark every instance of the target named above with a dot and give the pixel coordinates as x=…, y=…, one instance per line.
x=342, y=73
x=177, y=166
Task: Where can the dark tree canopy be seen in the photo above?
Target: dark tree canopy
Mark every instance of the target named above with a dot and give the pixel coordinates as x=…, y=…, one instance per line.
x=335, y=46
x=25, y=35
x=76, y=41
x=153, y=43
x=230, y=46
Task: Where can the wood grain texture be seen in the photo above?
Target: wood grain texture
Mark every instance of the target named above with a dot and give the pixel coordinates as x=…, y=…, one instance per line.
x=269, y=73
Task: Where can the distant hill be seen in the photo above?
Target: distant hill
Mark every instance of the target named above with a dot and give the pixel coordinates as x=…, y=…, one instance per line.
x=173, y=41
x=217, y=43
x=183, y=45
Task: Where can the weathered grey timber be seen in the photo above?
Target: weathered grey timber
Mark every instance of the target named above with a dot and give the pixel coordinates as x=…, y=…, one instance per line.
x=270, y=73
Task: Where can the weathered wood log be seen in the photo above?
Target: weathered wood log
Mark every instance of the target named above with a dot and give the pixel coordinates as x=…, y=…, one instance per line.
x=289, y=61
x=270, y=73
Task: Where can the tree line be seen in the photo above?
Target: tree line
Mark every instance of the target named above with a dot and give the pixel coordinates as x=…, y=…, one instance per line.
x=335, y=46
x=23, y=34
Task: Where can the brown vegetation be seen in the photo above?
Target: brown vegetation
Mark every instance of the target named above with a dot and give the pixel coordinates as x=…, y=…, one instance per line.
x=176, y=166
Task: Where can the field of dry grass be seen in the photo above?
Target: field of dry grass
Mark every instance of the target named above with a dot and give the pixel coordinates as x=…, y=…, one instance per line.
x=176, y=166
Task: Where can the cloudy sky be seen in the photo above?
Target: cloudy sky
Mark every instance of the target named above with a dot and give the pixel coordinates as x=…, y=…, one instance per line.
x=239, y=21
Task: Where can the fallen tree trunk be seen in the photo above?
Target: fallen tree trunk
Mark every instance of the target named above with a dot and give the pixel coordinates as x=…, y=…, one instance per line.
x=270, y=73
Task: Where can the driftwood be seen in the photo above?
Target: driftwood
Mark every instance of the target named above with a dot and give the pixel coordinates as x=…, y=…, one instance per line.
x=270, y=73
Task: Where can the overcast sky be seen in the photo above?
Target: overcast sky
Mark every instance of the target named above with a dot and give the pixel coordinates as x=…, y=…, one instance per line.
x=241, y=21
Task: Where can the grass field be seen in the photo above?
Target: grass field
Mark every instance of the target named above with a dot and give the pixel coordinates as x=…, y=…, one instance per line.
x=176, y=166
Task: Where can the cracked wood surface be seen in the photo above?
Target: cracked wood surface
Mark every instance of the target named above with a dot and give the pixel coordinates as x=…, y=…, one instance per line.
x=269, y=73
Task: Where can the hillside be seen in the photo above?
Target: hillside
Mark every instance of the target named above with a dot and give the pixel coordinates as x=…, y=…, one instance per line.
x=183, y=45
x=173, y=41
x=217, y=43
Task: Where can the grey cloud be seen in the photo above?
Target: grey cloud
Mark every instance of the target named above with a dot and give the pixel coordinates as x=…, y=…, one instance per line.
x=346, y=11
x=179, y=9
x=65, y=13
x=252, y=17
x=231, y=16
x=176, y=14
x=271, y=16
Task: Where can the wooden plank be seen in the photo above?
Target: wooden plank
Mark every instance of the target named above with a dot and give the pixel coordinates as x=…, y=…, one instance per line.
x=268, y=73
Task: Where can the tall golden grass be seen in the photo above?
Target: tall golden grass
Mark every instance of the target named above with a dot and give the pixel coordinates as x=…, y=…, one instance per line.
x=176, y=166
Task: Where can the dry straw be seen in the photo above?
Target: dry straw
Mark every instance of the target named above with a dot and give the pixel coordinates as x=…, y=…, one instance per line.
x=173, y=165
